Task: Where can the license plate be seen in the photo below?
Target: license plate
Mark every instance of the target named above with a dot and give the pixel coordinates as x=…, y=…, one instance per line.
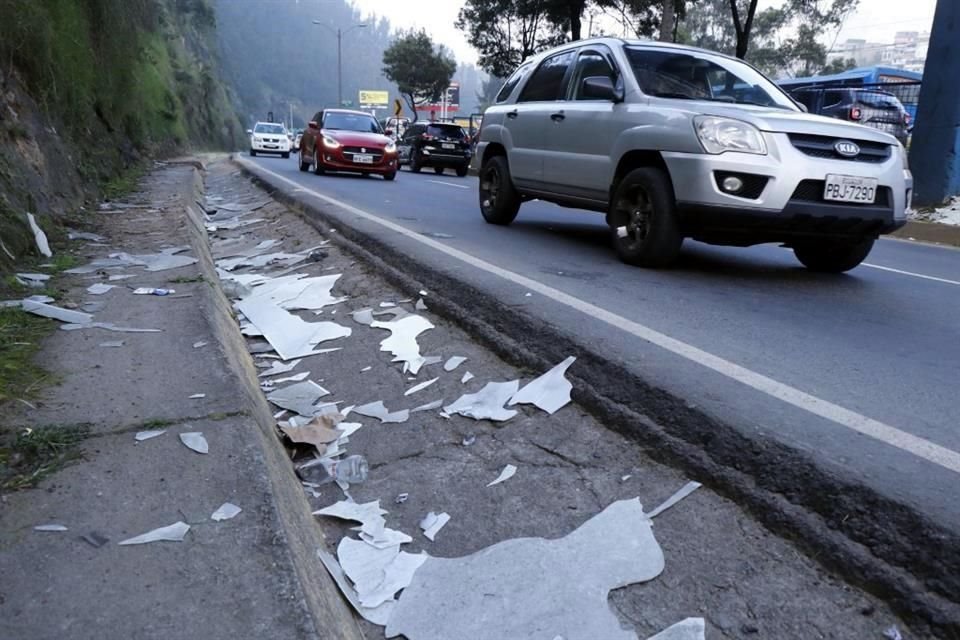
x=363, y=159
x=850, y=189
x=449, y=145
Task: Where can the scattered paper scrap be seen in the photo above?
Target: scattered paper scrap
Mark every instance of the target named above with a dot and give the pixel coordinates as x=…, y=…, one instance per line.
x=453, y=362
x=684, y=491
x=365, y=369
x=377, y=573
x=300, y=398
x=57, y=313
x=379, y=411
x=35, y=280
x=421, y=305
x=50, y=527
x=151, y=433
x=401, y=498
x=318, y=432
x=432, y=523
x=611, y=550
x=105, y=325
x=100, y=288
x=689, y=629
x=486, y=404
x=226, y=511
x=294, y=378
x=419, y=387
x=892, y=633
x=363, y=316
x=121, y=276
x=402, y=342
x=291, y=336
x=549, y=392
x=430, y=406
x=73, y=234
x=380, y=615
x=41, y=238
x=194, y=440
x=506, y=474
x=467, y=377
x=112, y=344
x=199, y=344
x=171, y=533
x=152, y=291
x=278, y=367
x=197, y=396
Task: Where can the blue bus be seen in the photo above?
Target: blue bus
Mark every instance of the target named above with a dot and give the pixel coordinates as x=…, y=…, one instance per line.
x=903, y=84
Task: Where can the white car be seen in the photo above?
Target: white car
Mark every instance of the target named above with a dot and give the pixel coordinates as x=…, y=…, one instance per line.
x=269, y=137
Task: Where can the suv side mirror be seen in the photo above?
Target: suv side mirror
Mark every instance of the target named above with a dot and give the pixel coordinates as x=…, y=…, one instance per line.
x=600, y=88
x=313, y=125
x=803, y=107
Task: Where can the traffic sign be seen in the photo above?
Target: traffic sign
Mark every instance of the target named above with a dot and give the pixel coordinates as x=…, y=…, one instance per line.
x=397, y=107
x=374, y=99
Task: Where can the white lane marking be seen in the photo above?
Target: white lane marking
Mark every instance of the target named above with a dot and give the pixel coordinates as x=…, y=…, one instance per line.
x=449, y=184
x=910, y=273
x=875, y=429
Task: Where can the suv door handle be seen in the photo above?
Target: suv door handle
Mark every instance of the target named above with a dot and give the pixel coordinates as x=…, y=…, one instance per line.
x=512, y=114
x=558, y=116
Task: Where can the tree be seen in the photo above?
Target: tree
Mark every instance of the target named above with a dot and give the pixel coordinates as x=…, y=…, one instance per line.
x=421, y=71
x=838, y=65
x=488, y=92
x=742, y=24
x=507, y=32
x=566, y=15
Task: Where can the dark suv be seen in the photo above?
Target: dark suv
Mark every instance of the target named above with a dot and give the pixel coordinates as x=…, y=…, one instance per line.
x=870, y=107
x=435, y=144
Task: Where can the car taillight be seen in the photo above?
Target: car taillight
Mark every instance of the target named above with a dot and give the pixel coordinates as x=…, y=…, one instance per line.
x=855, y=113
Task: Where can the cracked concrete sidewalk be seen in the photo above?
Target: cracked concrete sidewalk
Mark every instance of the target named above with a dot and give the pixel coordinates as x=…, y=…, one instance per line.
x=231, y=579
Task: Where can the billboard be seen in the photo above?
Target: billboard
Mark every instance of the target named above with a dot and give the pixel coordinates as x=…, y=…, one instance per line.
x=452, y=100
x=374, y=99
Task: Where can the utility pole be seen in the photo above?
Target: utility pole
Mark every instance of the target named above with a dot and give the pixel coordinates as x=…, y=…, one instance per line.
x=340, y=33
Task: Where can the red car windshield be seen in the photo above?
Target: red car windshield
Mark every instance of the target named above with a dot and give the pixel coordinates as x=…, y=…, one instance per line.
x=351, y=122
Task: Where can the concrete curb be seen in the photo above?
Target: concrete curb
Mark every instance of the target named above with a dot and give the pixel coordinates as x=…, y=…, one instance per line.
x=930, y=232
x=333, y=618
x=887, y=549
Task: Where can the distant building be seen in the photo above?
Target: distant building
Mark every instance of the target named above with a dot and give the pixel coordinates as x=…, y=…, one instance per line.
x=907, y=51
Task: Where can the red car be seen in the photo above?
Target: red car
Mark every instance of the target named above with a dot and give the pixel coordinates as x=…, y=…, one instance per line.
x=343, y=140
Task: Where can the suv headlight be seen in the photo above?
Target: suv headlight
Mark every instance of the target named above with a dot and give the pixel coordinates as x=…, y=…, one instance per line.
x=330, y=143
x=718, y=135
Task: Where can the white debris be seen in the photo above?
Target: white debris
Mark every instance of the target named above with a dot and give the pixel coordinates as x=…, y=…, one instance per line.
x=296, y=292
x=503, y=592
x=278, y=367
x=377, y=573
x=506, y=474
x=688, y=629
x=72, y=234
x=199, y=344
x=42, y=245
x=387, y=305
x=363, y=316
x=35, y=280
x=122, y=276
x=300, y=398
x=197, y=396
x=402, y=342
x=626, y=477
x=365, y=369
x=453, y=362
x=467, y=377
x=486, y=404
x=146, y=435
x=432, y=523
x=99, y=288
x=290, y=336
x=172, y=533
x=380, y=615
x=50, y=527
x=112, y=344
x=419, y=387
x=105, y=325
x=294, y=378
x=194, y=440
x=549, y=392
x=892, y=633
x=430, y=406
x=684, y=491
x=379, y=411
x=57, y=313
x=421, y=305
x=226, y=511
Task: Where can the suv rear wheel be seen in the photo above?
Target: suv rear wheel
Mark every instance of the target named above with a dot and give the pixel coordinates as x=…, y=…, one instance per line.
x=643, y=220
x=832, y=257
x=499, y=200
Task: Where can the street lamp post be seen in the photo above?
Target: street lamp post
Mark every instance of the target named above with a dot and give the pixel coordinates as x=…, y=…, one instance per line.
x=339, y=32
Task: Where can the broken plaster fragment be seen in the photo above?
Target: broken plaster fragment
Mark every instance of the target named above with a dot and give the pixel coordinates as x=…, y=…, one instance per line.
x=613, y=549
x=194, y=440
x=50, y=528
x=379, y=615
x=99, y=288
x=421, y=305
x=197, y=396
x=57, y=313
x=486, y=404
x=146, y=435
x=171, y=533
x=402, y=342
x=506, y=474
x=684, y=491
x=689, y=629
x=549, y=392
x=432, y=523
x=226, y=511
x=300, y=398
x=41, y=238
x=379, y=411
x=290, y=335
x=419, y=387
x=467, y=377
x=453, y=362
x=430, y=406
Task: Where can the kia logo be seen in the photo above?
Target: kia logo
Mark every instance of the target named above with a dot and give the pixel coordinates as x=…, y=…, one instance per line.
x=847, y=149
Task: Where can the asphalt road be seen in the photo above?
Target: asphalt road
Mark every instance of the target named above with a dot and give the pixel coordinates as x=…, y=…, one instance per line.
x=859, y=370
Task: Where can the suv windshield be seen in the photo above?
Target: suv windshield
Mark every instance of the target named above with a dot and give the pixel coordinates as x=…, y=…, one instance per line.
x=269, y=128
x=351, y=122
x=445, y=131
x=687, y=75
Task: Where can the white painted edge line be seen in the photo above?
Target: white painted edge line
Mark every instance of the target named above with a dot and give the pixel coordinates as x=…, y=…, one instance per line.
x=875, y=429
x=910, y=273
x=449, y=184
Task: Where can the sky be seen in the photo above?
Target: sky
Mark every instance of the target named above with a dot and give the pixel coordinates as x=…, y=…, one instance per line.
x=875, y=20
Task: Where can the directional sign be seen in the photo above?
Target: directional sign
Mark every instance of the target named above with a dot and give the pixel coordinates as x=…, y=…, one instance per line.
x=397, y=107
x=374, y=99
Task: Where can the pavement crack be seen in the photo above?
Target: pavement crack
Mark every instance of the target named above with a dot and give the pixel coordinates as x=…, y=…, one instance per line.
x=558, y=455
x=163, y=423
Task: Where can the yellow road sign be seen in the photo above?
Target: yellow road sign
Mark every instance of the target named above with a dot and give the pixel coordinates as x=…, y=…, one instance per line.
x=397, y=107
x=374, y=99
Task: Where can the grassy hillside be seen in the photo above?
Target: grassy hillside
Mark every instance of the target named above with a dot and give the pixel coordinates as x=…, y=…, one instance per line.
x=90, y=89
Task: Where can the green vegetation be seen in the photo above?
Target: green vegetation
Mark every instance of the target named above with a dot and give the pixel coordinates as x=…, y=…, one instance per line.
x=123, y=183
x=33, y=454
x=20, y=336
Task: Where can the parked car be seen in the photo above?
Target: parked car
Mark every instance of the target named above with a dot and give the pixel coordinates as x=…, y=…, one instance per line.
x=437, y=145
x=344, y=140
x=269, y=137
x=871, y=107
x=673, y=142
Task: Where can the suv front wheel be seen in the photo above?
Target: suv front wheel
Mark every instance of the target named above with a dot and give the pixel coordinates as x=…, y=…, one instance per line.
x=499, y=200
x=832, y=257
x=643, y=220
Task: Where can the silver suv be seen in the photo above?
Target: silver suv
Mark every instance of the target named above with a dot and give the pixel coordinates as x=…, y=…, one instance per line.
x=672, y=142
